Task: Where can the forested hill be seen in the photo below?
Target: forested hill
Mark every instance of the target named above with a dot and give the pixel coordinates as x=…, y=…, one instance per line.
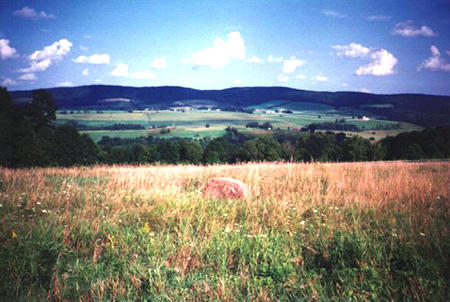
x=425, y=110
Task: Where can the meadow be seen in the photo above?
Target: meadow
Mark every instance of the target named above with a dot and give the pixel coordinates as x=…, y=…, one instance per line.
x=308, y=232
x=191, y=124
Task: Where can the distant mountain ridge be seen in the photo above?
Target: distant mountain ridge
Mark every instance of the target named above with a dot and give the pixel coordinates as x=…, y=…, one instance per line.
x=425, y=110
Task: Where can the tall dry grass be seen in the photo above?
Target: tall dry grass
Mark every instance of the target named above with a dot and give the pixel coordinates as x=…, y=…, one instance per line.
x=166, y=203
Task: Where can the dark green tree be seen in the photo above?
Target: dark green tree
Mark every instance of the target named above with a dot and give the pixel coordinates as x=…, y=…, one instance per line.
x=42, y=109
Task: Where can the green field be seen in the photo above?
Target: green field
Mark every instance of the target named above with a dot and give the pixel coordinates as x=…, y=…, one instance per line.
x=192, y=123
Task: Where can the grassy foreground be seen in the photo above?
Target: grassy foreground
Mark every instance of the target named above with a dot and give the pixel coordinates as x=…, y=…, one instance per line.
x=320, y=232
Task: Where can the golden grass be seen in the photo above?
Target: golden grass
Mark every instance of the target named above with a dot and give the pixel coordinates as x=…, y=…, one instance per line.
x=108, y=204
x=275, y=187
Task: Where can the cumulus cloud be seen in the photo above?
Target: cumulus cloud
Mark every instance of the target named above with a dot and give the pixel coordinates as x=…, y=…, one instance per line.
x=352, y=50
x=30, y=13
x=272, y=59
x=435, y=61
x=291, y=64
x=383, y=61
x=365, y=90
x=255, y=59
x=344, y=84
x=300, y=77
x=6, y=51
x=8, y=82
x=40, y=60
x=383, y=64
x=65, y=84
x=333, y=13
x=408, y=29
x=159, y=63
x=220, y=53
x=121, y=70
x=93, y=59
x=282, y=78
x=28, y=77
x=37, y=66
x=320, y=78
x=85, y=72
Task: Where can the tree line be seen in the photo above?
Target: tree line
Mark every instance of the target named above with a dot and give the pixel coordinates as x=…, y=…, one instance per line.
x=28, y=138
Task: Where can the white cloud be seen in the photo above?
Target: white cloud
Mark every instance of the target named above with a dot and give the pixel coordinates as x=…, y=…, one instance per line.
x=28, y=77
x=378, y=18
x=97, y=80
x=383, y=61
x=159, y=63
x=54, y=52
x=352, y=50
x=220, y=53
x=6, y=51
x=291, y=64
x=408, y=29
x=282, y=78
x=383, y=64
x=320, y=78
x=37, y=66
x=365, y=90
x=300, y=77
x=344, y=84
x=94, y=59
x=43, y=59
x=255, y=59
x=435, y=61
x=333, y=13
x=9, y=82
x=84, y=48
x=121, y=70
x=30, y=13
x=85, y=72
x=272, y=59
x=65, y=84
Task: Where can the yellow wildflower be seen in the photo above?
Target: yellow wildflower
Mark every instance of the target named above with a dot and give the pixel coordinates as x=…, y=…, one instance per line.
x=146, y=228
x=13, y=235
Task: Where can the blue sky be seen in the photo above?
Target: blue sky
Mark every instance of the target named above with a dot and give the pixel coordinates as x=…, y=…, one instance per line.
x=374, y=46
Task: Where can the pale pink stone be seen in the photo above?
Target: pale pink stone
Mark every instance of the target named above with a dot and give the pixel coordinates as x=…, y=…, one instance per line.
x=225, y=188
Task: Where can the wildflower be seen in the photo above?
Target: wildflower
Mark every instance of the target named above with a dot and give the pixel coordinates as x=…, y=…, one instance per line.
x=323, y=224
x=302, y=222
x=44, y=211
x=146, y=228
x=422, y=234
x=393, y=234
x=38, y=203
x=13, y=235
x=227, y=229
x=315, y=211
x=1, y=205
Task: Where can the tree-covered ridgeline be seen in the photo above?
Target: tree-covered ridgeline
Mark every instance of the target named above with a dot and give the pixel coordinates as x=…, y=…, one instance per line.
x=29, y=138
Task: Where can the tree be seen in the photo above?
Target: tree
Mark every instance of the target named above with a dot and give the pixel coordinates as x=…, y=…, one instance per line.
x=5, y=100
x=42, y=109
x=190, y=151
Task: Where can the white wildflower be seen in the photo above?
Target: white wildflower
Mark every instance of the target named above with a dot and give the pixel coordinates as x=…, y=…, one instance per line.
x=422, y=234
x=302, y=222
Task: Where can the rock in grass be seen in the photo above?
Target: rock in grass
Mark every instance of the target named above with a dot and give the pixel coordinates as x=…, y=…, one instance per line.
x=225, y=188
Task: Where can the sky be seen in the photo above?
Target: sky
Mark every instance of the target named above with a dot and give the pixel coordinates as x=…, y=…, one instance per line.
x=400, y=46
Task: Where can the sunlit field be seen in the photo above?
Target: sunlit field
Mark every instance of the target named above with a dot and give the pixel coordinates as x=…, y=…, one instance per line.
x=313, y=232
x=191, y=124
